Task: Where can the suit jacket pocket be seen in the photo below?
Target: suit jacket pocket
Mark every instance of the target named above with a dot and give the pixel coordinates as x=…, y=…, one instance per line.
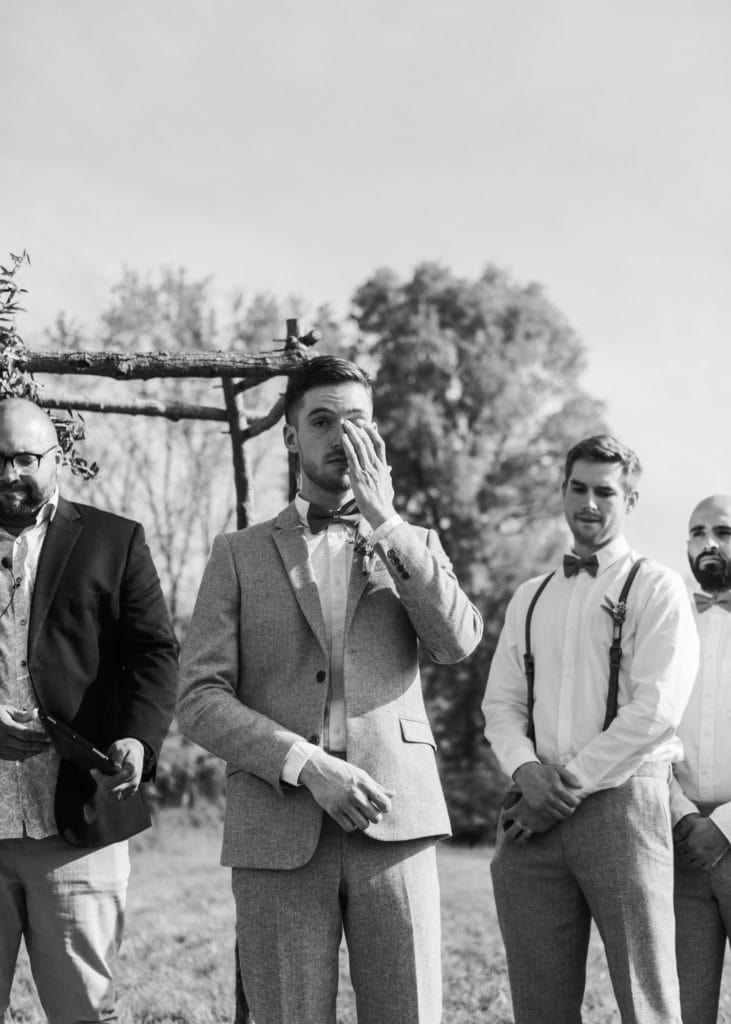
x=414, y=731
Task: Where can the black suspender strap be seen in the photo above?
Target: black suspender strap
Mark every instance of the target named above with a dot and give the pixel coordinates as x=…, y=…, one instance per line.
x=618, y=613
x=529, y=661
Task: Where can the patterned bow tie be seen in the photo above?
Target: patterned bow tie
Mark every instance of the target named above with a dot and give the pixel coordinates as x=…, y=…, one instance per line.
x=703, y=602
x=319, y=518
x=572, y=565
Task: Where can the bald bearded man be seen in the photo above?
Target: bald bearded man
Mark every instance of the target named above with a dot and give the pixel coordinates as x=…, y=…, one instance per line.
x=85, y=637
x=701, y=791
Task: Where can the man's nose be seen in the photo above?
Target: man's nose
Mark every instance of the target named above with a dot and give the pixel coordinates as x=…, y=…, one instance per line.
x=8, y=472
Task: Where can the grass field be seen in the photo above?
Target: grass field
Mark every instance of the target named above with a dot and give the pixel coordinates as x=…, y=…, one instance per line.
x=176, y=964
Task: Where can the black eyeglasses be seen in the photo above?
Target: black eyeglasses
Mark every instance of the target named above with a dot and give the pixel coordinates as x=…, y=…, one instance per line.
x=25, y=463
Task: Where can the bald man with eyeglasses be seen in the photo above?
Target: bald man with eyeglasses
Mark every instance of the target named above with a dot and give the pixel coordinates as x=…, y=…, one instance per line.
x=86, y=641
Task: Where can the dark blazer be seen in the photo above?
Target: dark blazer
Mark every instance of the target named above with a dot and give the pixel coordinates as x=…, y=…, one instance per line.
x=102, y=657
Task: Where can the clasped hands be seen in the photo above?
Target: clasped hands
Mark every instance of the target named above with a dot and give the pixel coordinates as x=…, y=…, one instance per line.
x=22, y=736
x=699, y=842
x=546, y=798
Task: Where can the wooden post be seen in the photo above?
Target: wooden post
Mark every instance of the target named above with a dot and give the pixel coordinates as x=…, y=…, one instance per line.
x=293, y=331
x=237, y=428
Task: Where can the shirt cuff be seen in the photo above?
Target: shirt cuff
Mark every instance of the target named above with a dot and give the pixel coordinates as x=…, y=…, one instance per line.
x=514, y=760
x=297, y=757
x=381, y=532
x=585, y=787
x=680, y=804
x=721, y=818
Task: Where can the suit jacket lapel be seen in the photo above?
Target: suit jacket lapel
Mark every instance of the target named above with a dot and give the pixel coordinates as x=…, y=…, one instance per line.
x=63, y=532
x=290, y=541
x=359, y=574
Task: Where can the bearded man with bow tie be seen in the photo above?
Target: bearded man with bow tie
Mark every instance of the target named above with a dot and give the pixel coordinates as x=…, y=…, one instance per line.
x=592, y=672
x=301, y=671
x=700, y=798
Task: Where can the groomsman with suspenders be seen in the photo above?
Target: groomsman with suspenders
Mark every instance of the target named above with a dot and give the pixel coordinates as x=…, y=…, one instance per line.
x=700, y=797
x=585, y=692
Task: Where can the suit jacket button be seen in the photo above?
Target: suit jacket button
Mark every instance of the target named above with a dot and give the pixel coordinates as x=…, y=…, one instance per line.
x=405, y=575
x=321, y=676
x=391, y=555
x=316, y=740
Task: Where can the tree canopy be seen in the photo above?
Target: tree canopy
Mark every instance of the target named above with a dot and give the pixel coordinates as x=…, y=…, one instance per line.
x=478, y=397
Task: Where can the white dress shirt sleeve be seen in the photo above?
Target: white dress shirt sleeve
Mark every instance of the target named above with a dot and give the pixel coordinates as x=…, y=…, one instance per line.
x=297, y=757
x=721, y=817
x=680, y=804
x=382, y=531
x=506, y=695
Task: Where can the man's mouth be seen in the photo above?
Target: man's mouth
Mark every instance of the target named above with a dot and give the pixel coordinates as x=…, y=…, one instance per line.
x=710, y=556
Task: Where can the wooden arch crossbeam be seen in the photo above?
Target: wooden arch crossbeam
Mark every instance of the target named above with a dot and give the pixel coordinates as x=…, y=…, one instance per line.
x=237, y=372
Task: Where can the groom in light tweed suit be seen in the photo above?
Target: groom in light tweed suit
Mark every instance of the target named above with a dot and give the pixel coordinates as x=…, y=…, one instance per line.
x=301, y=670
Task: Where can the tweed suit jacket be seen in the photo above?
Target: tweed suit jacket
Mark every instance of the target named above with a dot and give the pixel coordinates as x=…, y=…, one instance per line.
x=254, y=680
x=102, y=656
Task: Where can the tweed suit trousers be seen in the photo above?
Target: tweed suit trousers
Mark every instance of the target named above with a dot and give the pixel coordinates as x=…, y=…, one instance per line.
x=611, y=861
x=385, y=896
x=702, y=928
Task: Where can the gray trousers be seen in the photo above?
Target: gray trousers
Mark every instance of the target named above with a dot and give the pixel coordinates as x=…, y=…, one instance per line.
x=68, y=903
x=385, y=896
x=612, y=861
x=702, y=928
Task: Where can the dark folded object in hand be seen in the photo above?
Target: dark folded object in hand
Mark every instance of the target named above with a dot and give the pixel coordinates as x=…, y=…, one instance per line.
x=74, y=748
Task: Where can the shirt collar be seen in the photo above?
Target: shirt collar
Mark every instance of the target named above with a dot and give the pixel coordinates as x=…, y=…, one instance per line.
x=302, y=504
x=49, y=510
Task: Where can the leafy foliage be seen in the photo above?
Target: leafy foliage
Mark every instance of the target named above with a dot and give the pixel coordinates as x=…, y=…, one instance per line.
x=15, y=382
x=478, y=398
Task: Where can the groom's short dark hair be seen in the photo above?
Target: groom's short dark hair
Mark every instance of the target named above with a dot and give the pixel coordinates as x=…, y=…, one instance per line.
x=318, y=371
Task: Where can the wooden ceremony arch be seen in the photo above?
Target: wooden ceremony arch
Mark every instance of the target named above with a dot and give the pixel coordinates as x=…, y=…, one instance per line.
x=238, y=373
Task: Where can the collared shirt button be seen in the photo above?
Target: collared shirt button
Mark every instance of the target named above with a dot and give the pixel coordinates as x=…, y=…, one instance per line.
x=23, y=663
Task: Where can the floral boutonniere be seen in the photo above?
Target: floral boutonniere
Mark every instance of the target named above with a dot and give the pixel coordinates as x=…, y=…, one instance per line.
x=617, y=612
x=366, y=553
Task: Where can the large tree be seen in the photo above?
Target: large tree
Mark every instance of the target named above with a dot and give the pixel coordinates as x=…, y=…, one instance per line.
x=478, y=398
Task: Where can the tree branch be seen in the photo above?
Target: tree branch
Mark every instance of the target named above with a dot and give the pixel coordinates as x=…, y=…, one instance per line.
x=146, y=365
x=170, y=410
x=258, y=426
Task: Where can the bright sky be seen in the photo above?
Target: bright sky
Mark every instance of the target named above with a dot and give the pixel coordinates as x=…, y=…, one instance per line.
x=296, y=147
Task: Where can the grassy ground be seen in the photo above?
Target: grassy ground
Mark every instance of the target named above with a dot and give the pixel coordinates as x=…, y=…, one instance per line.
x=176, y=963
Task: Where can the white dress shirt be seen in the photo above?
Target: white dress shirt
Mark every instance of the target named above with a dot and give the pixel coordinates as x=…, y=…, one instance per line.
x=570, y=638
x=331, y=557
x=27, y=788
x=704, y=777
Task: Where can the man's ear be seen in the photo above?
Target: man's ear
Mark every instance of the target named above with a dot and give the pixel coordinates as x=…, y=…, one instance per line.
x=632, y=498
x=290, y=438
